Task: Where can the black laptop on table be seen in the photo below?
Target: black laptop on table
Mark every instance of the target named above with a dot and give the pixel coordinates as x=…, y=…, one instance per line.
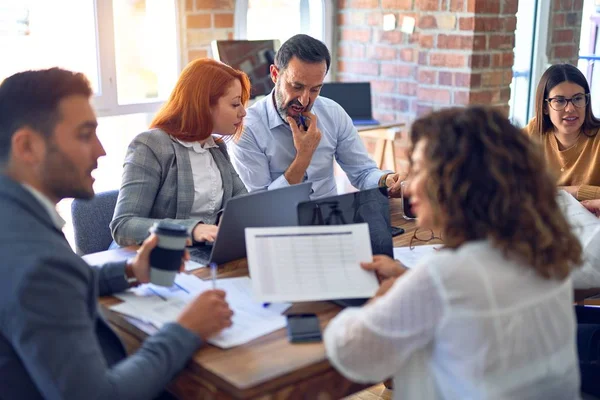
x=355, y=99
x=267, y=208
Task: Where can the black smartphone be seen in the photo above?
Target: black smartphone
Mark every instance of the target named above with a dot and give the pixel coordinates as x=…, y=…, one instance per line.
x=303, y=328
x=396, y=230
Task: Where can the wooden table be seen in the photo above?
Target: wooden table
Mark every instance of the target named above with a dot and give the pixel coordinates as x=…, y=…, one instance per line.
x=266, y=368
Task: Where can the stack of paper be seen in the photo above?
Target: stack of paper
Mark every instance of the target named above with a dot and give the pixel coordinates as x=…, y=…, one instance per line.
x=410, y=258
x=157, y=305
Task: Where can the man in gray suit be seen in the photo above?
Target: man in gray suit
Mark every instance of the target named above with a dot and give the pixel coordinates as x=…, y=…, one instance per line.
x=53, y=342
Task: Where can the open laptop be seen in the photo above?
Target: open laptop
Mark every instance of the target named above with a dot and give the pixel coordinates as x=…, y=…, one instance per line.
x=371, y=206
x=267, y=208
x=355, y=99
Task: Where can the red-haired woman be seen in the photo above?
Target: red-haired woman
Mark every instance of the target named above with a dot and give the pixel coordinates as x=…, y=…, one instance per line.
x=177, y=170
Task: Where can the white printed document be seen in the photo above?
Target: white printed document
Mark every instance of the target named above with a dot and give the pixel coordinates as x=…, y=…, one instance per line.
x=586, y=227
x=410, y=258
x=157, y=305
x=306, y=263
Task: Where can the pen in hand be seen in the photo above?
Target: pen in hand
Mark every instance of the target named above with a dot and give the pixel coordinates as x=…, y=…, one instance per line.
x=303, y=122
x=213, y=274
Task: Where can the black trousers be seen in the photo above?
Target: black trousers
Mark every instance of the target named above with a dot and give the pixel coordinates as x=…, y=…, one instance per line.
x=588, y=347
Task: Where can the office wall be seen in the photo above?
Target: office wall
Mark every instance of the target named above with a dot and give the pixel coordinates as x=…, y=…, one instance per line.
x=203, y=21
x=564, y=30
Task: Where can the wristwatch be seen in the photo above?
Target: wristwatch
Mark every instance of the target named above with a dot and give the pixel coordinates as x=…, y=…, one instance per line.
x=382, y=180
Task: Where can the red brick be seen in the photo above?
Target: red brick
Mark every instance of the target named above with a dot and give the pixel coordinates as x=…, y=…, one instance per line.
x=491, y=79
x=198, y=21
x=426, y=41
x=573, y=19
x=365, y=3
x=391, y=37
x=407, y=88
x=462, y=42
x=423, y=58
x=471, y=5
x=450, y=60
x=482, y=97
x=215, y=5
x=466, y=23
x=510, y=6
x=224, y=20
x=487, y=7
x=194, y=54
x=510, y=23
x=351, y=51
x=501, y=42
x=356, y=35
x=346, y=19
x=383, y=86
x=445, y=78
x=563, y=36
x=383, y=116
x=427, y=77
x=480, y=61
x=427, y=22
x=402, y=5
x=423, y=110
x=578, y=5
x=397, y=71
x=391, y=103
x=479, y=42
x=407, y=54
x=503, y=59
x=564, y=52
x=457, y=5
x=189, y=5
x=375, y=19
x=434, y=95
x=381, y=53
x=428, y=5
x=488, y=24
x=463, y=79
x=558, y=20
x=460, y=98
x=359, y=67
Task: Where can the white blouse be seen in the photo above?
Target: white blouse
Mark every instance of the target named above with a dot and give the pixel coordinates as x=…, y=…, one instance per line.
x=208, y=184
x=463, y=324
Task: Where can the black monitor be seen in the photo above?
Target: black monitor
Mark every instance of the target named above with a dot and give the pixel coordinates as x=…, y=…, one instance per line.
x=355, y=99
x=254, y=57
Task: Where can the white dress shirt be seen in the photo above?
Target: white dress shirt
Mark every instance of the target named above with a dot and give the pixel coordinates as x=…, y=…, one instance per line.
x=208, y=184
x=464, y=324
x=50, y=207
x=266, y=149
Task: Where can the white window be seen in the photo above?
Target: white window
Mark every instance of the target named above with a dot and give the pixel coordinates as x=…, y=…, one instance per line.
x=128, y=49
x=286, y=18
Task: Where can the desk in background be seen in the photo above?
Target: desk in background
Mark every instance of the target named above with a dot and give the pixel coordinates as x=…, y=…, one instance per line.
x=385, y=135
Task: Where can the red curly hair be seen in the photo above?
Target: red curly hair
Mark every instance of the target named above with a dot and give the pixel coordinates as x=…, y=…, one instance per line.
x=186, y=115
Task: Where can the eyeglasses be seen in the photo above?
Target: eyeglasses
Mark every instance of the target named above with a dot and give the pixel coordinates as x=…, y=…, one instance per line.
x=423, y=235
x=560, y=103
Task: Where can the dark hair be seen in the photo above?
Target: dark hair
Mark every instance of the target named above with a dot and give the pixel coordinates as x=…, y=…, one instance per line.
x=556, y=75
x=486, y=180
x=31, y=98
x=305, y=48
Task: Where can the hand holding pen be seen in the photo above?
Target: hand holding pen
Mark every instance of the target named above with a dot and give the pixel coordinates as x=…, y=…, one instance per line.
x=307, y=137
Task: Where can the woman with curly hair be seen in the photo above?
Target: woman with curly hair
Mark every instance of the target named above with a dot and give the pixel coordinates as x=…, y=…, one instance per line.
x=491, y=314
x=567, y=129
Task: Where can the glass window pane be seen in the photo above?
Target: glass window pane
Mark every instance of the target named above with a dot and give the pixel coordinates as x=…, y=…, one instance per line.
x=36, y=34
x=284, y=18
x=145, y=49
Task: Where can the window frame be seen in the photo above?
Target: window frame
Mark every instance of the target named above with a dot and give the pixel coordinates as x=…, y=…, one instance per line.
x=106, y=101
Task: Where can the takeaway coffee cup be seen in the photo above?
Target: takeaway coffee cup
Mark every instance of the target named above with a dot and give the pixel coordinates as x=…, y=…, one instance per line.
x=165, y=258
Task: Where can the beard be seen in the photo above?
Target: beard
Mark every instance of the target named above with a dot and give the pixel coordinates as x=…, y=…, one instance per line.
x=60, y=176
x=283, y=109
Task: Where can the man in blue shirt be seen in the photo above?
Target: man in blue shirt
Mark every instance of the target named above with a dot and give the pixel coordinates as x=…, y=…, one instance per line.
x=293, y=135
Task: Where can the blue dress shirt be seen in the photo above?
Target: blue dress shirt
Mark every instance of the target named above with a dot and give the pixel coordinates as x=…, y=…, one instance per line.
x=266, y=149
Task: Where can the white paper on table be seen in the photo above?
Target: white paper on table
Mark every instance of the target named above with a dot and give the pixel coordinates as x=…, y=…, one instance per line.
x=410, y=258
x=158, y=305
x=586, y=227
x=192, y=265
x=306, y=263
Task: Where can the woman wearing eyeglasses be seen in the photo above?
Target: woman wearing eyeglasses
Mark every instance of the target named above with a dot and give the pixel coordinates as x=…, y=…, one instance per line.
x=568, y=130
x=489, y=316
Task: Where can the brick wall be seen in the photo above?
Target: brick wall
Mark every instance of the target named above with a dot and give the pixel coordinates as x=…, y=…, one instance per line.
x=460, y=53
x=564, y=31
x=201, y=22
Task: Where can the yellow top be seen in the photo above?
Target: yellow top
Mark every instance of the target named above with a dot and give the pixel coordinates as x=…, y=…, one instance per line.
x=579, y=165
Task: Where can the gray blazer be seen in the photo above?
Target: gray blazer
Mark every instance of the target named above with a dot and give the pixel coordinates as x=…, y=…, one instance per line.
x=158, y=184
x=53, y=342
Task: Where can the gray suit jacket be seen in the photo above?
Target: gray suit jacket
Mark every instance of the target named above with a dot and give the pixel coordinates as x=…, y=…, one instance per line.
x=53, y=342
x=158, y=184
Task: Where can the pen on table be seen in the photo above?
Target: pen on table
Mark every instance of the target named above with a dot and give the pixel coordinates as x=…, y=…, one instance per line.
x=265, y=305
x=213, y=274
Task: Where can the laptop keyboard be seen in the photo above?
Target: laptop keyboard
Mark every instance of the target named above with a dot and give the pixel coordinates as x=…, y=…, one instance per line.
x=200, y=254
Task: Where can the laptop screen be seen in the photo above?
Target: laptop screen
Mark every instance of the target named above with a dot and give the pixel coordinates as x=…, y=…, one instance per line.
x=371, y=206
x=354, y=97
